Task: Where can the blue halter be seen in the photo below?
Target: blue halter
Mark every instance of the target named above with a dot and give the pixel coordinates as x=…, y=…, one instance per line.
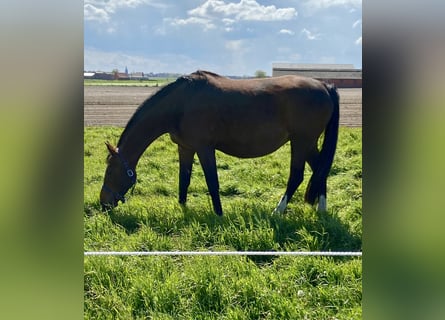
x=130, y=173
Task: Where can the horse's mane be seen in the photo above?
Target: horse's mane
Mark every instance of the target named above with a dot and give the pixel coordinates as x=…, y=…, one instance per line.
x=140, y=111
x=203, y=75
x=196, y=77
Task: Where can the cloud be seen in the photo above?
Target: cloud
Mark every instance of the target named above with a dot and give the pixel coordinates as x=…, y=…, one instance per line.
x=357, y=23
x=206, y=23
x=245, y=10
x=310, y=35
x=358, y=41
x=286, y=31
x=218, y=13
x=101, y=11
x=92, y=13
x=228, y=21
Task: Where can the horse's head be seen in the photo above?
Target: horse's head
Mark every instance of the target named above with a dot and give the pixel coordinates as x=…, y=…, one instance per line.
x=119, y=178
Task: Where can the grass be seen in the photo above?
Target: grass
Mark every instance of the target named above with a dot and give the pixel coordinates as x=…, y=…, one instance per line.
x=222, y=287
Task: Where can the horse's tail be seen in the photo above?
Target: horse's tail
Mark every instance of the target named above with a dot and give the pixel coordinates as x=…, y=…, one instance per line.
x=317, y=183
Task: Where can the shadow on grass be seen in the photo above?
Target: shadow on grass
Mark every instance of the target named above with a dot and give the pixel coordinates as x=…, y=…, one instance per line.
x=129, y=222
x=254, y=228
x=315, y=231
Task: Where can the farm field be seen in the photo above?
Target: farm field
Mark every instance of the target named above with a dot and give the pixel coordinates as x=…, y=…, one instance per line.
x=221, y=287
x=114, y=105
x=154, y=82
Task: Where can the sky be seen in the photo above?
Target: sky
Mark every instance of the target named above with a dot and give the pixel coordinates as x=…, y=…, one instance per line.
x=229, y=37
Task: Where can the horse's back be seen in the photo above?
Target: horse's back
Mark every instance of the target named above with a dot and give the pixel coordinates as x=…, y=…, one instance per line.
x=291, y=100
x=257, y=85
x=252, y=117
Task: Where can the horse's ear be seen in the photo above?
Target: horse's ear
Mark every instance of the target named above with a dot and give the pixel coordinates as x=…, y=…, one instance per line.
x=111, y=149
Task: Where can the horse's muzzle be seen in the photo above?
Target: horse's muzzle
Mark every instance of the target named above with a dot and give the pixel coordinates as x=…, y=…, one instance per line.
x=107, y=206
x=108, y=199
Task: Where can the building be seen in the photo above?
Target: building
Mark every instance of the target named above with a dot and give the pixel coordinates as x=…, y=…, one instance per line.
x=342, y=75
x=98, y=75
x=137, y=76
x=121, y=76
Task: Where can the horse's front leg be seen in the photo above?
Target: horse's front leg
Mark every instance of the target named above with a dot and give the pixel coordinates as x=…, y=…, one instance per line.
x=208, y=163
x=185, y=171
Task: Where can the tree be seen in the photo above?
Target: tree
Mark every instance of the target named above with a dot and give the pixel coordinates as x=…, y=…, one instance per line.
x=260, y=74
x=115, y=74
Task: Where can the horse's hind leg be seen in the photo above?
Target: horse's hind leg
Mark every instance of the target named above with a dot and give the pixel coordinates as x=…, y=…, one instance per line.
x=298, y=159
x=185, y=171
x=313, y=159
x=208, y=163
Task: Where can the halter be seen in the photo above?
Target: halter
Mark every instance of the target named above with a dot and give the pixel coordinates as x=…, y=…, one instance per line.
x=130, y=173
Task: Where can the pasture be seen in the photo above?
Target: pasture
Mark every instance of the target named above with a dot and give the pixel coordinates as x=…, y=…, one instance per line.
x=222, y=287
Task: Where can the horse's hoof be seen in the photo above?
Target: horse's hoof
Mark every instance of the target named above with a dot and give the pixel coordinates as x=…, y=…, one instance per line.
x=281, y=207
x=321, y=204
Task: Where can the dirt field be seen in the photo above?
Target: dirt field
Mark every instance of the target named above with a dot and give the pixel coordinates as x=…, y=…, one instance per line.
x=113, y=106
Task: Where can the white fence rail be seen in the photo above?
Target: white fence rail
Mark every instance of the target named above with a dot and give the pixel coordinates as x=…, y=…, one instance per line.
x=223, y=253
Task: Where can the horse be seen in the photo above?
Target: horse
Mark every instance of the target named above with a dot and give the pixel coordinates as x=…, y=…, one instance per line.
x=245, y=118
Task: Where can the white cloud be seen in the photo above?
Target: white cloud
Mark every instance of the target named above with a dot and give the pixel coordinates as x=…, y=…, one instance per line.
x=286, y=31
x=206, y=23
x=228, y=21
x=247, y=10
x=357, y=23
x=310, y=35
x=358, y=41
x=101, y=11
x=213, y=12
x=92, y=13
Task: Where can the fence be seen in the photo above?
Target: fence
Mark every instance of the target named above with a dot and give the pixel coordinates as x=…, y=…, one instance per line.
x=223, y=253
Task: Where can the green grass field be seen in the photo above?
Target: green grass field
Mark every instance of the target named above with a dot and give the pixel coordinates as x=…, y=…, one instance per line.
x=222, y=287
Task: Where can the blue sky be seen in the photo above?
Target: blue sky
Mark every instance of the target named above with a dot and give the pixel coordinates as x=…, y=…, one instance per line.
x=230, y=37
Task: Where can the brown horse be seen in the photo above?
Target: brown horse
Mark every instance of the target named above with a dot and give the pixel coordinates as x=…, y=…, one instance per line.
x=204, y=112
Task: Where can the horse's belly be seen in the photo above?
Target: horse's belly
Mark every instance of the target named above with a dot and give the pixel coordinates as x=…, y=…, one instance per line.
x=252, y=144
x=245, y=152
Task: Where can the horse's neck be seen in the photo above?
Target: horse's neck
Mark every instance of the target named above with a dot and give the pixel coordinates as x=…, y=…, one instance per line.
x=143, y=132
